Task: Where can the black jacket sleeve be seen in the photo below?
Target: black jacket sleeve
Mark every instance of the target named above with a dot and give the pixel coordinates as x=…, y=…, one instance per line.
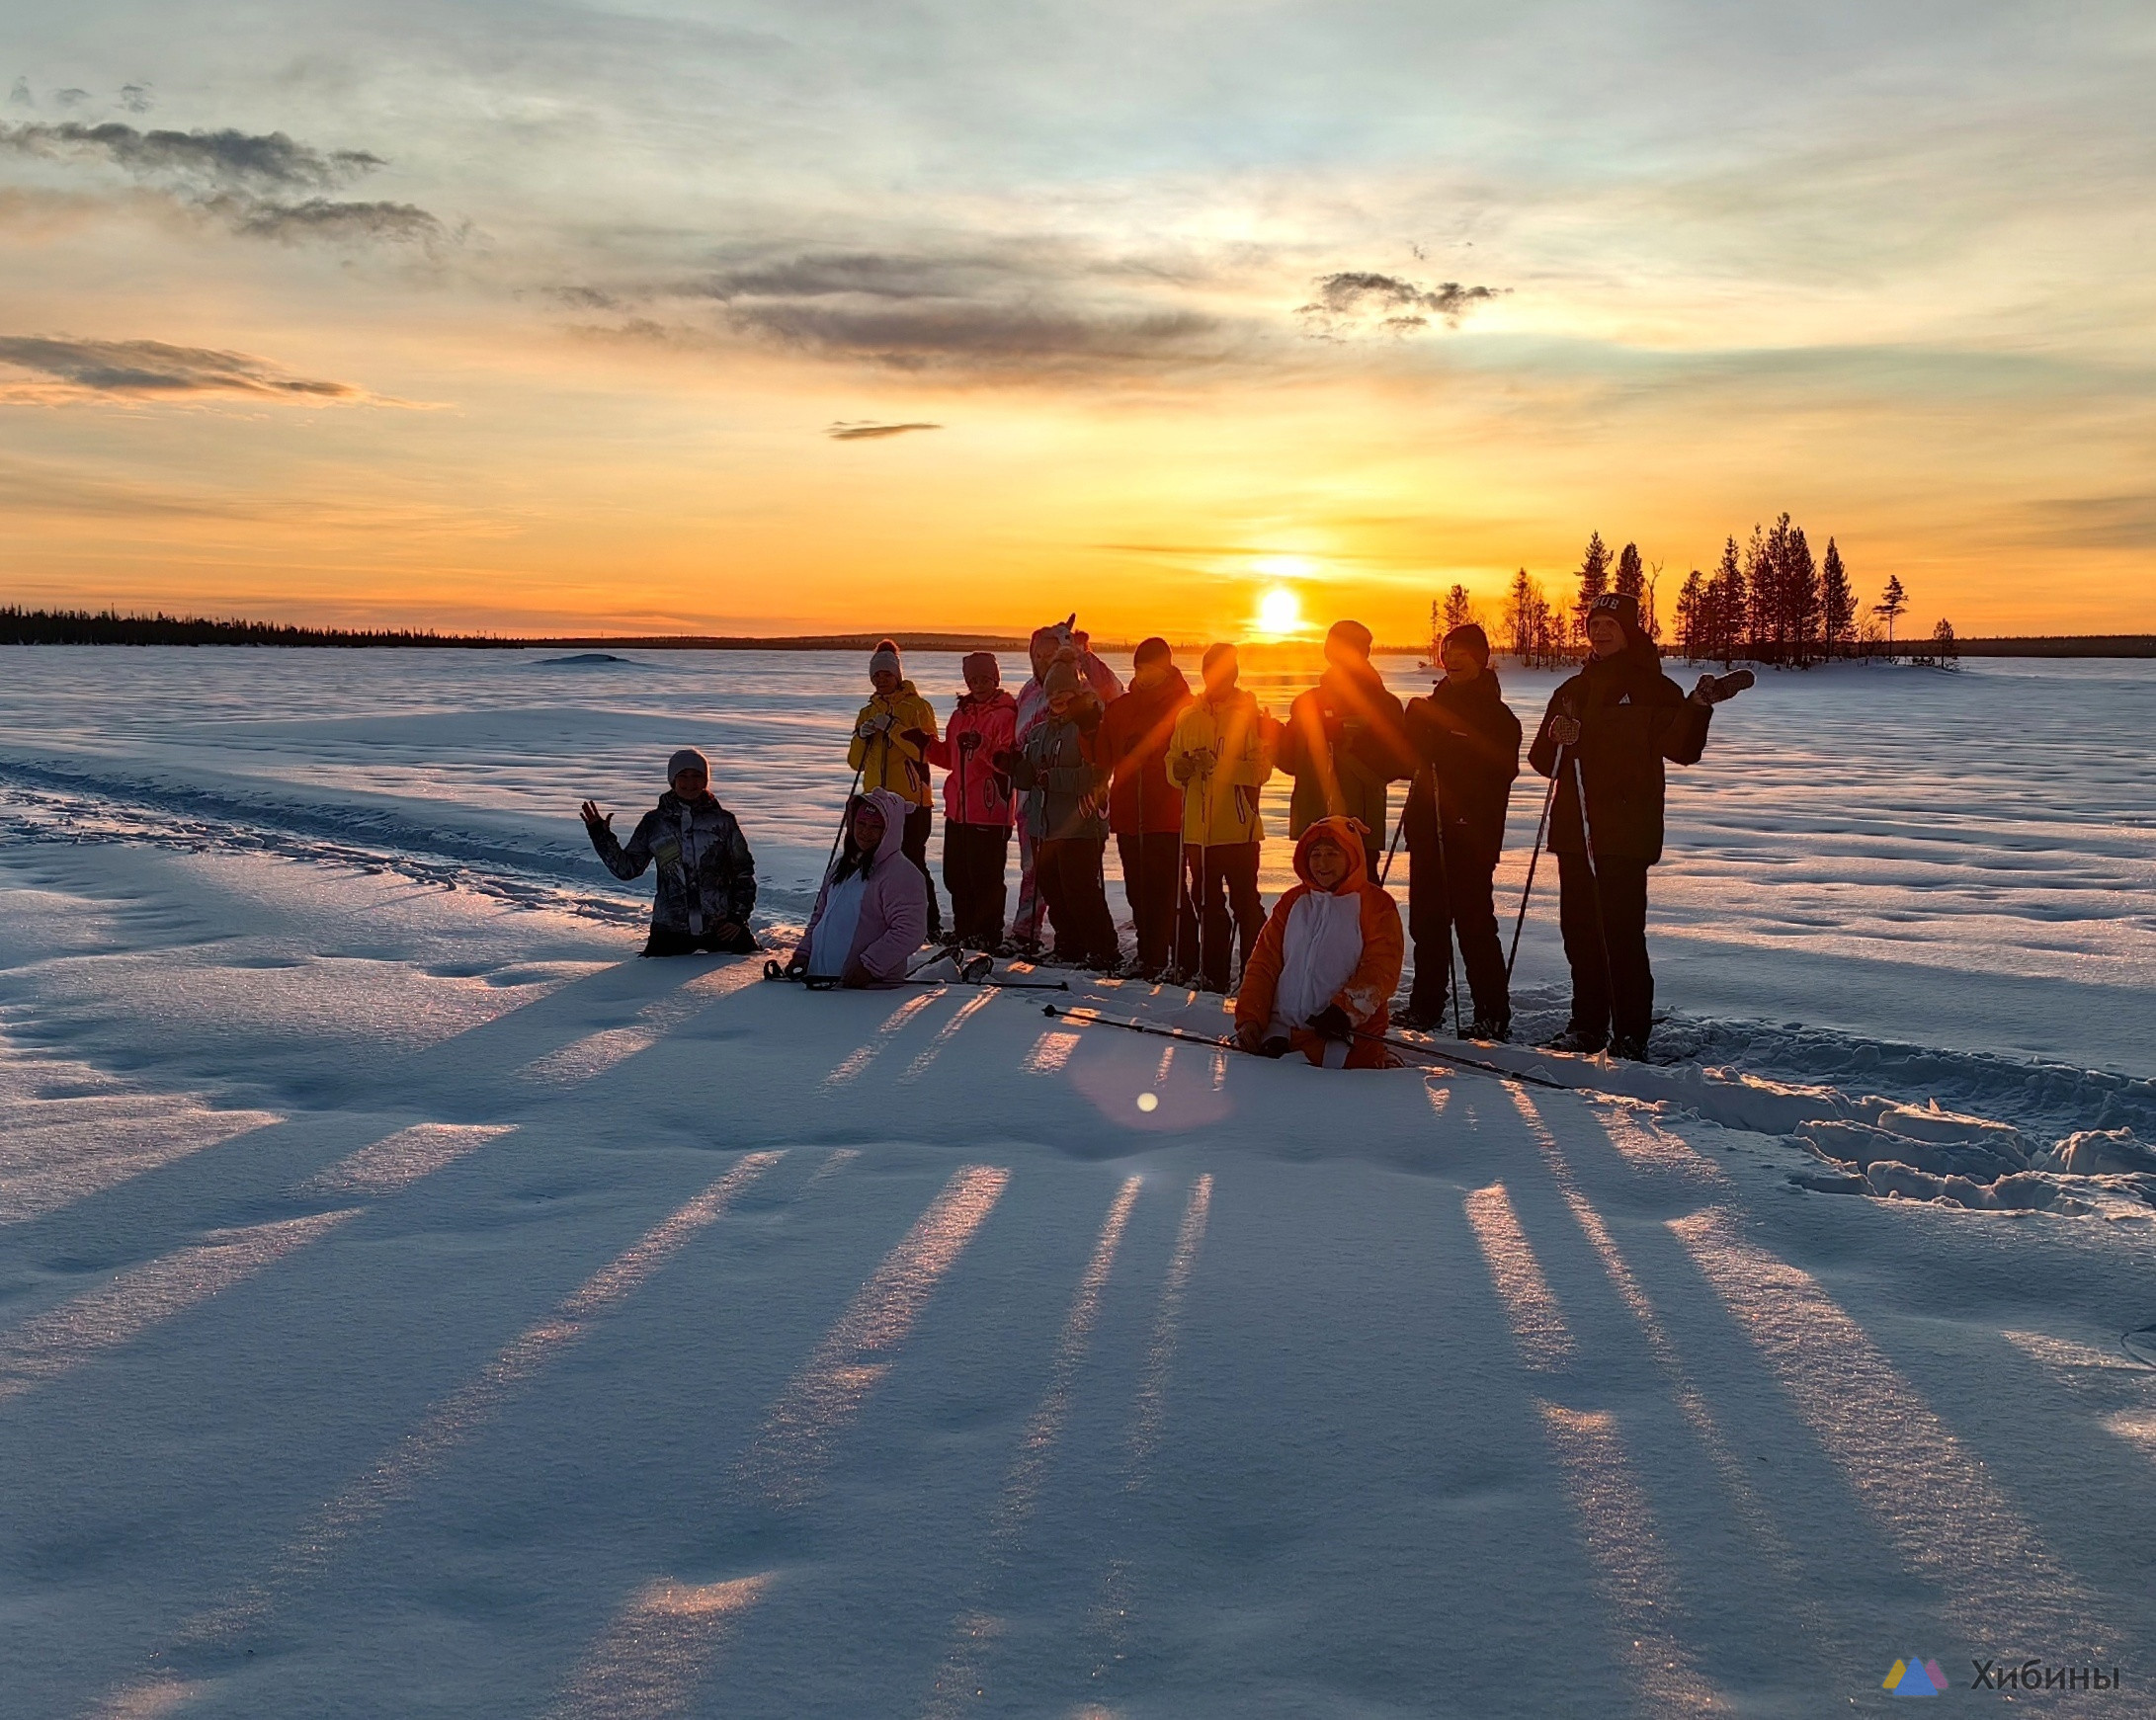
x=625, y=863
x=741, y=879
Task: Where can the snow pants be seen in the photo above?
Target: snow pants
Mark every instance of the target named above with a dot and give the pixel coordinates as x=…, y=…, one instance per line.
x=1449, y=895
x=1221, y=910
x=1025, y=923
x=1149, y=883
x=1612, y=992
x=1069, y=871
x=914, y=840
x=669, y=943
x=975, y=857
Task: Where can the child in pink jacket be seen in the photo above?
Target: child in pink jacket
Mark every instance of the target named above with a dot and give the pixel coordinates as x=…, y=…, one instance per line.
x=872, y=913
x=977, y=804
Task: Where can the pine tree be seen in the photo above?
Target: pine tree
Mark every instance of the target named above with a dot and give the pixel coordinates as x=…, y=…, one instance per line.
x=1837, y=603
x=1594, y=577
x=1460, y=608
x=1692, y=603
x=1892, y=602
x=1732, y=607
x=1800, y=593
x=1520, y=600
x=1631, y=576
x=1758, y=641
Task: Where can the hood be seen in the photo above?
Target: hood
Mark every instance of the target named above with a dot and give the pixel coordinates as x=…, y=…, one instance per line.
x=1348, y=833
x=1170, y=689
x=895, y=812
x=1000, y=700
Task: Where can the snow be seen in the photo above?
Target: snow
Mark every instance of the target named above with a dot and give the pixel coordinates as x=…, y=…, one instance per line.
x=410, y=1305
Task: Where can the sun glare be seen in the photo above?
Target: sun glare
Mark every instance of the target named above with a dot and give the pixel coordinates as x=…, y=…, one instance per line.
x=1280, y=612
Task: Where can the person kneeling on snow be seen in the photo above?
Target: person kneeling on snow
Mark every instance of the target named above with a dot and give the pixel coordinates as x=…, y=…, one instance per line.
x=872, y=913
x=1326, y=964
x=707, y=881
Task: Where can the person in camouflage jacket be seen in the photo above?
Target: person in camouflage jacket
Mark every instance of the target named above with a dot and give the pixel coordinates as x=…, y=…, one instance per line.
x=707, y=882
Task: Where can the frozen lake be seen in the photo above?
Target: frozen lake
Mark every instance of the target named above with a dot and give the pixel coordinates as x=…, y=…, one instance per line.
x=1965, y=862
x=411, y=1305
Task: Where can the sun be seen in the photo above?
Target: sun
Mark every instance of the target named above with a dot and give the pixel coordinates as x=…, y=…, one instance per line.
x=1280, y=612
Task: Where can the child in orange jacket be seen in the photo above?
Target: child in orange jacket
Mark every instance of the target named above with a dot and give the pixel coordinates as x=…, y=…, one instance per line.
x=1322, y=976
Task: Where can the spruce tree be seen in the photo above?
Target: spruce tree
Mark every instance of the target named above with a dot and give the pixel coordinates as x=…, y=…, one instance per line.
x=1800, y=593
x=1837, y=603
x=1732, y=606
x=1631, y=577
x=1519, y=616
x=1690, y=623
x=1594, y=577
x=1460, y=608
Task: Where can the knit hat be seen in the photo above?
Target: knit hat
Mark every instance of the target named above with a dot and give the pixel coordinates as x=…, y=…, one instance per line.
x=1471, y=639
x=1153, y=651
x=1623, y=609
x=1353, y=634
x=1062, y=677
x=687, y=759
x=885, y=657
x=981, y=666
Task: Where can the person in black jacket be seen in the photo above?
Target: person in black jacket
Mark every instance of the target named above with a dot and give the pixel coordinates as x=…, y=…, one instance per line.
x=1470, y=743
x=707, y=882
x=1612, y=726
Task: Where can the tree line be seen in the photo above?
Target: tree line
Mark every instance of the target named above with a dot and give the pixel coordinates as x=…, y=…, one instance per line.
x=1771, y=600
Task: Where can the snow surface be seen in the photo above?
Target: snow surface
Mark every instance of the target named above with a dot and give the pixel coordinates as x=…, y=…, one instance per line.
x=409, y=1305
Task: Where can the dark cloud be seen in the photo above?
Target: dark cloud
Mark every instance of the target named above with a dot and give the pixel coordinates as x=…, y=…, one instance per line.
x=244, y=178
x=71, y=98
x=1025, y=310
x=136, y=98
x=871, y=432
x=336, y=223
x=228, y=158
x=1354, y=300
x=59, y=369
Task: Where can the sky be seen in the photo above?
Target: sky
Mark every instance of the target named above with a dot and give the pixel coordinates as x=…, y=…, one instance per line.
x=944, y=314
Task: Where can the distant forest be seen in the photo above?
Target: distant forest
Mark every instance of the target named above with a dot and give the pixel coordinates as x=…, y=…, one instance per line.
x=1771, y=602
x=24, y=626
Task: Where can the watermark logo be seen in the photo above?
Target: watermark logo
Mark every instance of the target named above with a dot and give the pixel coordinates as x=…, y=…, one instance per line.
x=1914, y=1678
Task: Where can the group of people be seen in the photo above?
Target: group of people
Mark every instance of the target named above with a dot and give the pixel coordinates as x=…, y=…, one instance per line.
x=1174, y=776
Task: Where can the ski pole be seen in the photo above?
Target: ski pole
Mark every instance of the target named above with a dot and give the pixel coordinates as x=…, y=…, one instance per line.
x=845, y=814
x=1533, y=859
x=1386, y=872
x=1451, y=914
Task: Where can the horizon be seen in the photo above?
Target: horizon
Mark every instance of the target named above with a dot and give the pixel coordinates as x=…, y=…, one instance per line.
x=748, y=321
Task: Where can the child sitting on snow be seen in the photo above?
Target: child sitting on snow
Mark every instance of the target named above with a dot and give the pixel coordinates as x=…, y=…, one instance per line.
x=1327, y=962
x=707, y=882
x=872, y=913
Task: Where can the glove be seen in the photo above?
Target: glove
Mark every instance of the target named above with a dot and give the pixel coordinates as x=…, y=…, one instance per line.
x=1006, y=761
x=1331, y=1023
x=872, y=726
x=971, y=741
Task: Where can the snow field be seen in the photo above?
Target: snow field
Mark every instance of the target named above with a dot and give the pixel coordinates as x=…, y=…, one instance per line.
x=410, y=1306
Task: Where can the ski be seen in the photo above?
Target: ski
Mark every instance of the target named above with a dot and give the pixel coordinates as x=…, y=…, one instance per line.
x=1083, y=1017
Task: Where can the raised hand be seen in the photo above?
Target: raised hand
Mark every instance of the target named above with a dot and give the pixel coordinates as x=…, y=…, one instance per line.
x=595, y=820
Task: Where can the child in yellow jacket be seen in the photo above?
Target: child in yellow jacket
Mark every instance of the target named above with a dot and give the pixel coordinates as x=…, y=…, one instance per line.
x=889, y=750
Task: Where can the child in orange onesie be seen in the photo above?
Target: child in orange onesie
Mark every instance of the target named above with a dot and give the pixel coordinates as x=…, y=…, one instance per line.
x=1321, y=978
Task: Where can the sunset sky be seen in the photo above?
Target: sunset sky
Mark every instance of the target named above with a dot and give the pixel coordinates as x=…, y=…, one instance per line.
x=963, y=315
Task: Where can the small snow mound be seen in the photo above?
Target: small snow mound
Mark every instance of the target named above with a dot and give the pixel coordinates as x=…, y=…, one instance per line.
x=587, y=660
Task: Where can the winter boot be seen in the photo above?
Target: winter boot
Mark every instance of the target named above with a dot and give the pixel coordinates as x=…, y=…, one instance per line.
x=1631, y=1047
x=1492, y=1030
x=1422, y=1021
x=1577, y=1040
